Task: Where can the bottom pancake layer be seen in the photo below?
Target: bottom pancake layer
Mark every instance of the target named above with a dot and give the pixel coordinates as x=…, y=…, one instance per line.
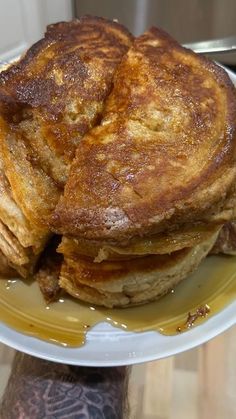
x=130, y=282
x=20, y=258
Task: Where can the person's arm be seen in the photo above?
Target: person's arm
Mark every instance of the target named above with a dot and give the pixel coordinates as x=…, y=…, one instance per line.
x=39, y=389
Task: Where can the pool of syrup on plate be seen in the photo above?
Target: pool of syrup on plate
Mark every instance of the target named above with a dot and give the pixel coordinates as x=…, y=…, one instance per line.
x=66, y=322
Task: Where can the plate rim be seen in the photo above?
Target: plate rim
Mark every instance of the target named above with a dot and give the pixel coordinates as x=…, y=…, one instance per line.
x=185, y=341
x=188, y=341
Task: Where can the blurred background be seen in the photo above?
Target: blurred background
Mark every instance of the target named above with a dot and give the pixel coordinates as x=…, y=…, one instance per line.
x=200, y=383
x=23, y=21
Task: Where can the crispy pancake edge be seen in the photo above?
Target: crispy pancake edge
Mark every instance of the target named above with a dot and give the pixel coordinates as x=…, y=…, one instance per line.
x=133, y=282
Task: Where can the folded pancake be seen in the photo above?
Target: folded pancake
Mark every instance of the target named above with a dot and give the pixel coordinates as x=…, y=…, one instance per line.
x=164, y=153
x=130, y=282
x=56, y=92
x=150, y=186
x=48, y=100
x=19, y=243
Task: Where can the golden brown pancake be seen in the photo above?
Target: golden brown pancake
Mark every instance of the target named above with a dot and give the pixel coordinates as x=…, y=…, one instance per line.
x=56, y=92
x=131, y=282
x=21, y=258
x=163, y=243
x=18, y=242
x=150, y=186
x=164, y=154
x=48, y=100
x=152, y=135
x=12, y=215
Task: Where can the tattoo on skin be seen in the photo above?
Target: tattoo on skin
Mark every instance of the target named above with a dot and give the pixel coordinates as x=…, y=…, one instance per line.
x=39, y=389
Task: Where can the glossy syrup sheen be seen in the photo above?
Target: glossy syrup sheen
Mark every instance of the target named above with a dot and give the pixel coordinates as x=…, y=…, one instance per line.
x=66, y=322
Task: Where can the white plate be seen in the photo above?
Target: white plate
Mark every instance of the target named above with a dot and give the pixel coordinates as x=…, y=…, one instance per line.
x=109, y=346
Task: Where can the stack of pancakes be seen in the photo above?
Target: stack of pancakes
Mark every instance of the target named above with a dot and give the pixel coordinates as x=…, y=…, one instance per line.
x=142, y=140
x=48, y=100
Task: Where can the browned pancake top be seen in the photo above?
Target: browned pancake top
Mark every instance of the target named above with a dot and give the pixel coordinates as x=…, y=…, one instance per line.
x=56, y=91
x=164, y=151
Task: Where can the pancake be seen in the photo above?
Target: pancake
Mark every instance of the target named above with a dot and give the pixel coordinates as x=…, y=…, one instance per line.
x=22, y=259
x=141, y=133
x=164, y=153
x=19, y=244
x=133, y=282
x=12, y=216
x=153, y=183
x=163, y=243
x=55, y=93
x=48, y=100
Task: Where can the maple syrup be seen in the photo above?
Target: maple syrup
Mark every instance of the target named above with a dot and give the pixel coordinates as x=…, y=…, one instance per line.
x=67, y=321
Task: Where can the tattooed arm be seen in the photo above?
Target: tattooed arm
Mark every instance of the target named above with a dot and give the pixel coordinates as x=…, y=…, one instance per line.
x=39, y=389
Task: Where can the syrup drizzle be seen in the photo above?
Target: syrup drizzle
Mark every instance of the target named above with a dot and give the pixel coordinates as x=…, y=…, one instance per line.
x=67, y=321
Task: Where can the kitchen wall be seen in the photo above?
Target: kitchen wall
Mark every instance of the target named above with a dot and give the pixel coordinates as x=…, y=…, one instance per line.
x=23, y=22
x=186, y=20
